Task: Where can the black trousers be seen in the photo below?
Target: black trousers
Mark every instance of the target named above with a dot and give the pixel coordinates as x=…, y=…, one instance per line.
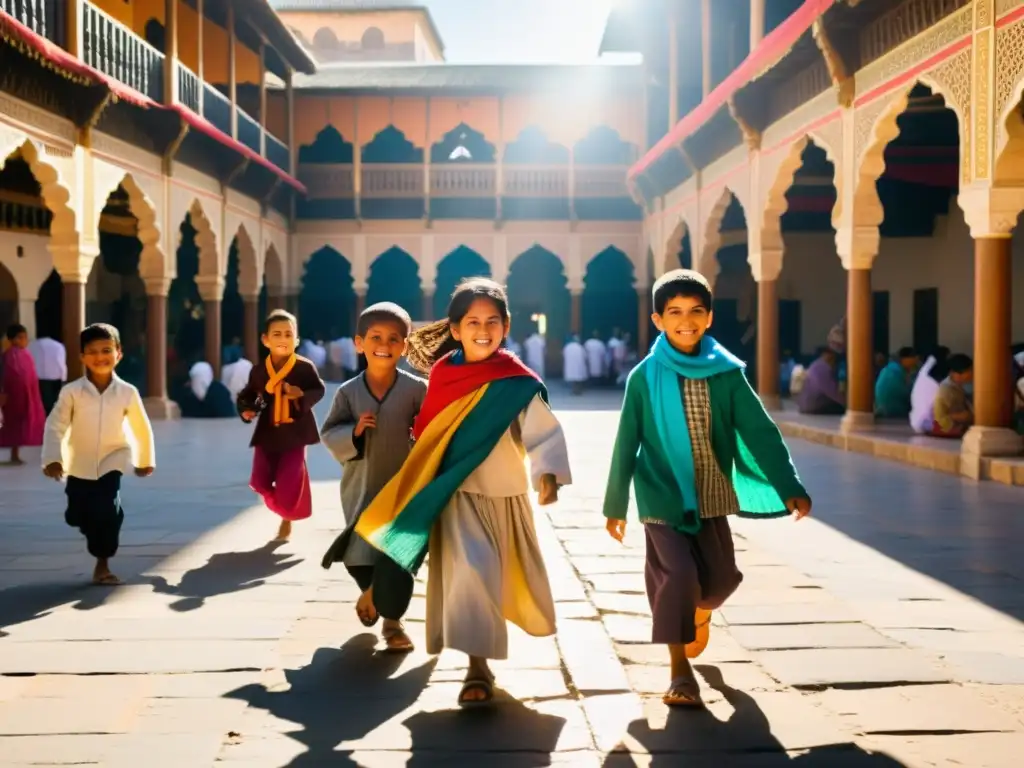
x=392, y=587
x=49, y=391
x=94, y=508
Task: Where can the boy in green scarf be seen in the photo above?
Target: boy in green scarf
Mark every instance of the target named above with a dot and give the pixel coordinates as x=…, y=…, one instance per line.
x=697, y=445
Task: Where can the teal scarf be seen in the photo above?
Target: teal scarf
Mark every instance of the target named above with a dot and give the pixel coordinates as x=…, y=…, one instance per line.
x=664, y=367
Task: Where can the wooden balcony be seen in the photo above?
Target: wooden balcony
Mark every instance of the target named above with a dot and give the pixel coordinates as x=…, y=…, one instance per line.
x=464, y=181
x=110, y=47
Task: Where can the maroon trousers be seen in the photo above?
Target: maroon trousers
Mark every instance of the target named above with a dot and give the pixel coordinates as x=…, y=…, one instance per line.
x=283, y=481
x=684, y=573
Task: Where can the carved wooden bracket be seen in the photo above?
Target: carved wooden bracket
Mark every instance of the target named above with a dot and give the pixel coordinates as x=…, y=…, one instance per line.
x=751, y=136
x=842, y=79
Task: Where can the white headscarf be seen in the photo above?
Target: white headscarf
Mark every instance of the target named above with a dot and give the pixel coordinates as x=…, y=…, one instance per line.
x=236, y=376
x=200, y=379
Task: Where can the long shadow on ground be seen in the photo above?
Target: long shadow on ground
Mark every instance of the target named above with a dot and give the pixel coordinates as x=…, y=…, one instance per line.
x=696, y=738
x=224, y=574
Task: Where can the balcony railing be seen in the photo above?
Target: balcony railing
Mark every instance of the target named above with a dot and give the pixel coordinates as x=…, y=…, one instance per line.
x=116, y=51
x=112, y=48
x=405, y=180
x=44, y=17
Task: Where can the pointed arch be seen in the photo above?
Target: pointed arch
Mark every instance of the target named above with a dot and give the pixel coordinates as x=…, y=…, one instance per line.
x=463, y=144
x=604, y=146
x=533, y=147
x=538, y=285
x=56, y=195
x=394, y=276
x=390, y=145
x=329, y=146
x=707, y=262
x=153, y=263
x=609, y=298
x=456, y=266
x=1009, y=164
x=327, y=297
x=678, y=249
x=250, y=265
x=273, y=269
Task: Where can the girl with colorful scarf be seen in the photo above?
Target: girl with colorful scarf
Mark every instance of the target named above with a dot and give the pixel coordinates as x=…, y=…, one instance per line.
x=281, y=394
x=463, y=492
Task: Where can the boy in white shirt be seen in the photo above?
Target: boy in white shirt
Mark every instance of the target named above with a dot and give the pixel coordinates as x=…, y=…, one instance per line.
x=95, y=409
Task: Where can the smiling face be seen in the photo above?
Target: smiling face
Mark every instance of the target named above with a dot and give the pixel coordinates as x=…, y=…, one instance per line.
x=481, y=331
x=684, y=322
x=100, y=357
x=281, y=338
x=383, y=344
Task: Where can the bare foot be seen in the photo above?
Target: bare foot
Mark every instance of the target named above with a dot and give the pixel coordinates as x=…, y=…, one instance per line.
x=365, y=609
x=284, y=531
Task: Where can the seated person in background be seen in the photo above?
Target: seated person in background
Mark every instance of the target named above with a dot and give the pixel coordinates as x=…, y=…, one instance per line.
x=926, y=387
x=820, y=392
x=952, y=410
x=892, y=389
x=786, y=367
x=235, y=376
x=203, y=397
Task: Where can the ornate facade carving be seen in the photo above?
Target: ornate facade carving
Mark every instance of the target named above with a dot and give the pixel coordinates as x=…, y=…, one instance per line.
x=953, y=78
x=1005, y=6
x=1009, y=65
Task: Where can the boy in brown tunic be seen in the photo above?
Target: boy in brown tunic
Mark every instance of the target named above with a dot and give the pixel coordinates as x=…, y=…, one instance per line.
x=282, y=393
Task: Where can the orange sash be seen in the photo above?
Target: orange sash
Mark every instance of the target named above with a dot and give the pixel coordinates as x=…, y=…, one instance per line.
x=275, y=386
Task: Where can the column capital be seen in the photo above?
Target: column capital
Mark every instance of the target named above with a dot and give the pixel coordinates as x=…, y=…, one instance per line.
x=157, y=286
x=360, y=289
x=991, y=211
x=857, y=246
x=211, y=287
x=73, y=261
x=765, y=265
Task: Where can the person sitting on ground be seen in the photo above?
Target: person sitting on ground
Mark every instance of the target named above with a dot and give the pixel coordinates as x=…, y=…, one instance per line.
x=953, y=411
x=892, y=389
x=203, y=397
x=820, y=392
x=926, y=387
x=235, y=376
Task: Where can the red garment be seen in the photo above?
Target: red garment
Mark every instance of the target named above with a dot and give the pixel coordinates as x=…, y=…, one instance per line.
x=283, y=481
x=24, y=417
x=450, y=381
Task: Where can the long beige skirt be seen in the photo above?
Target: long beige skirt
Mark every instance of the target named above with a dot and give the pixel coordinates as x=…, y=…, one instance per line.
x=486, y=568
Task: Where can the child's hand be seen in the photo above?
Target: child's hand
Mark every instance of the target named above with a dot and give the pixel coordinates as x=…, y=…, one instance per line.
x=54, y=470
x=799, y=507
x=367, y=421
x=292, y=392
x=548, y=493
x=248, y=416
x=616, y=529
x=143, y=471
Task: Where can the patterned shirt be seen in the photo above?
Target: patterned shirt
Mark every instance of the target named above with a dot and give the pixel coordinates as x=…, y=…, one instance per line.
x=716, y=496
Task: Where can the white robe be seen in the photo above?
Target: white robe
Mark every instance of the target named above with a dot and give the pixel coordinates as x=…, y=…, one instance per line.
x=596, y=352
x=922, y=398
x=535, y=353
x=574, y=361
x=349, y=356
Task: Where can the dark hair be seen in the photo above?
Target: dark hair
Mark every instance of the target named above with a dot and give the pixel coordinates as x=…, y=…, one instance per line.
x=384, y=312
x=99, y=332
x=940, y=370
x=681, y=282
x=280, y=316
x=15, y=330
x=960, y=363
x=906, y=352
x=430, y=343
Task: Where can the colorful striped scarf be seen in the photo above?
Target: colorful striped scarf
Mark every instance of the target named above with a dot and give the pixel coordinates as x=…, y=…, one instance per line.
x=468, y=407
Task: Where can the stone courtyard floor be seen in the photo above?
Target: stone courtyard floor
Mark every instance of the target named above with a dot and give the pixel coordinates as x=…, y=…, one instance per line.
x=885, y=631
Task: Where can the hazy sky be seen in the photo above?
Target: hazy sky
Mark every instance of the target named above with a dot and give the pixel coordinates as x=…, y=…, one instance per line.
x=520, y=31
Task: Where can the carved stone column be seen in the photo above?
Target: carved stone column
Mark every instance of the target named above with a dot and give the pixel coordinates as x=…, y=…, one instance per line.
x=427, y=306
x=358, y=308
x=857, y=247
x=756, y=23
x=27, y=315
x=768, y=343
x=211, y=290
x=158, y=406
x=73, y=301
x=992, y=214
x=643, y=321
x=252, y=328
x=576, y=316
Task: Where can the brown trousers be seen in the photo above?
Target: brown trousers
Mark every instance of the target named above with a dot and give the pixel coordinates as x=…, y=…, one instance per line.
x=684, y=573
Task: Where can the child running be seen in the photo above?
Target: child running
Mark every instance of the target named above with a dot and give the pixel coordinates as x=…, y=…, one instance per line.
x=369, y=432
x=698, y=446
x=463, y=491
x=282, y=393
x=94, y=410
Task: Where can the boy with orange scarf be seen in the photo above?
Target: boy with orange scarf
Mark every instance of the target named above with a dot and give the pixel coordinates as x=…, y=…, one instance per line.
x=282, y=393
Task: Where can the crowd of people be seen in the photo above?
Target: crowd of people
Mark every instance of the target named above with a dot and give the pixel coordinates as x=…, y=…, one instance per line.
x=935, y=397
x=442, y=466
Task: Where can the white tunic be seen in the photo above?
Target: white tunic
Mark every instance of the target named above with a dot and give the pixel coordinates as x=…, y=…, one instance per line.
x=922, y=398
x=574, y=361
x=51, y=359
x=596, y=352
x=535, y=346
x=88, y=431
